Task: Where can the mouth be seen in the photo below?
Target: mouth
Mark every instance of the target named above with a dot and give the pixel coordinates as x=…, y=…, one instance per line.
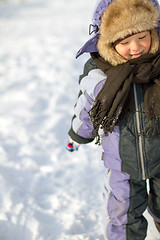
x=136, y=55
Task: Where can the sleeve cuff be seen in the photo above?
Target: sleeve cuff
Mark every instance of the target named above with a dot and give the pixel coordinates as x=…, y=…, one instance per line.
x=77, y=138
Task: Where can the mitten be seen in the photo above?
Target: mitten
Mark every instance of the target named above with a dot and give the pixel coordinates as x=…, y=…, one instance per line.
x=72, y=145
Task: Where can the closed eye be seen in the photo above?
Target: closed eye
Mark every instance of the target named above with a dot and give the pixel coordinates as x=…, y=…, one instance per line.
x=142, y=37
x=123, y=43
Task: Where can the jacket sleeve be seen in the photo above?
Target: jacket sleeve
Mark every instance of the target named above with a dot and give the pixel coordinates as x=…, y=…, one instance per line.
x=91, y=81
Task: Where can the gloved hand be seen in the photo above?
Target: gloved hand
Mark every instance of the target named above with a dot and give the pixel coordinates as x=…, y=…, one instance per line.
x=72, y=145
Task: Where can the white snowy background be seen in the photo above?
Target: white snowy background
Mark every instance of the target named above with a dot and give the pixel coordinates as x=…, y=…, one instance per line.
x=46, y=192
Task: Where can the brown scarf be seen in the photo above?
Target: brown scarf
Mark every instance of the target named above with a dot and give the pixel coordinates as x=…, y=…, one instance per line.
x=110, y=101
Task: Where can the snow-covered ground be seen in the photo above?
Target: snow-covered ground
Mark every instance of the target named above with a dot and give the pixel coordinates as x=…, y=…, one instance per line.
x=46, y=193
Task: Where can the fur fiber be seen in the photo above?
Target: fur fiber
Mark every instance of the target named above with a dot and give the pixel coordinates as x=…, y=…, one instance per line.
x=123, y=18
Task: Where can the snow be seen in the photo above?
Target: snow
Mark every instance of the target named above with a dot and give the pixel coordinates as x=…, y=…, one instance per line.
x=47, y=193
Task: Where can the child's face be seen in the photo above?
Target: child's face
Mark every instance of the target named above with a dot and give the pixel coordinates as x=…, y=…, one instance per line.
x=134, y=46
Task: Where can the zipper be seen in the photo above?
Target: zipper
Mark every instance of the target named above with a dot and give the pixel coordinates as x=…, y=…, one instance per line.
x=139, y=131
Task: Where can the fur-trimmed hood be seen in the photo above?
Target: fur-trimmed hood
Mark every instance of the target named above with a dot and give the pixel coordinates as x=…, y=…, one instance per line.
x=91, y=45
x=123, y=18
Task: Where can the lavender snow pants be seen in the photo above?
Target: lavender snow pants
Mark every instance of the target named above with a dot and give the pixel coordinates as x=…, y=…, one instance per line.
x=127, y=199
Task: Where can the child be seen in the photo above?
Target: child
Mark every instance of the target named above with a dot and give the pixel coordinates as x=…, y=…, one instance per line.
x=120, y=94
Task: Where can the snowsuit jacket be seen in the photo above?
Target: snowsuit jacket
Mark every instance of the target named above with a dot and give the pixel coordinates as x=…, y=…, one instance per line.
x=125, y=149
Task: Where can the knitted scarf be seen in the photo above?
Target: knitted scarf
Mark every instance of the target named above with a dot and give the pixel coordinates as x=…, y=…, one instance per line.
x=111, y=101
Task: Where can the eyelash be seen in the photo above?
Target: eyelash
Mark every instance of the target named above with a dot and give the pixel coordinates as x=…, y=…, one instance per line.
x=124, y=43
x=142, y=37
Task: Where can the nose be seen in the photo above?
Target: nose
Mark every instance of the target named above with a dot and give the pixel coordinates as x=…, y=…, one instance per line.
x=135, y=46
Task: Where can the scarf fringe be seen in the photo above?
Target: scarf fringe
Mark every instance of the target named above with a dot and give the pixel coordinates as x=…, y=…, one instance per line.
x=106, y=123
x=152, y=128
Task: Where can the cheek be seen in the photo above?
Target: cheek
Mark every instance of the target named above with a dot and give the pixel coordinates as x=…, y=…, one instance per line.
x=123, y=51
x=147, y=45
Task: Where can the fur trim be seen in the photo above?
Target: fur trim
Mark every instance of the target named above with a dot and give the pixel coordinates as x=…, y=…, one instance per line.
x=123, y=18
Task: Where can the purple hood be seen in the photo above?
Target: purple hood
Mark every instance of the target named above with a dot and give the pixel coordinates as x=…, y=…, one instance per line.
x=91, y=44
